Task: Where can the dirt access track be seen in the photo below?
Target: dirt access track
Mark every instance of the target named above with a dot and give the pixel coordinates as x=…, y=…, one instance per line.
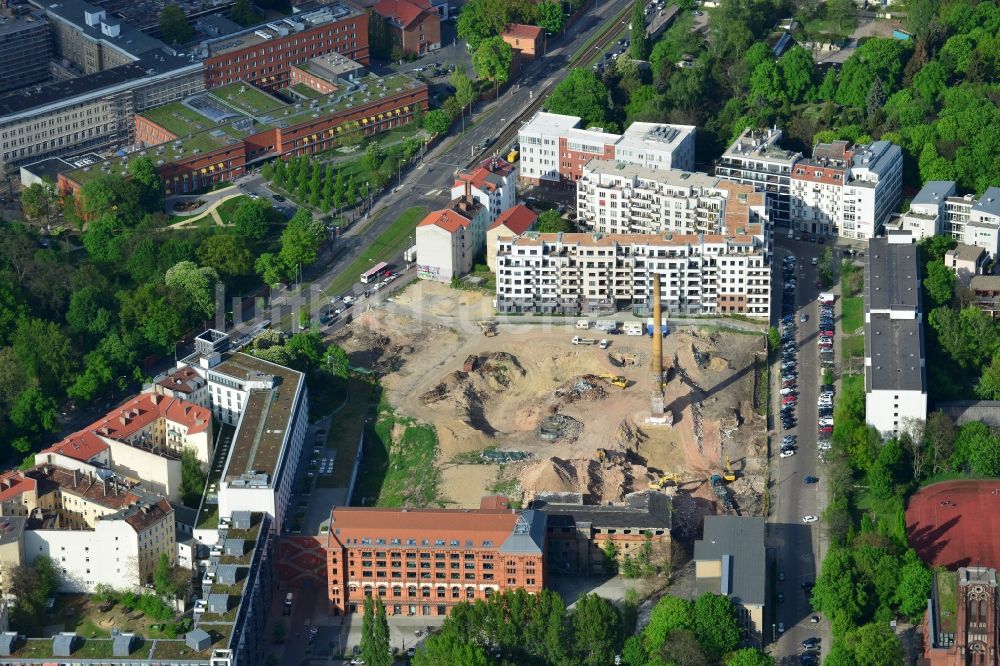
x=528, y=389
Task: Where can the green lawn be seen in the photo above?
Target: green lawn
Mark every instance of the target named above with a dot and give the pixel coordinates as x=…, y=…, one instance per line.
x=947, y=600
x=229, y=206
x=345, y=431
x=853, y=314
x=852, y=346
x=391, y=243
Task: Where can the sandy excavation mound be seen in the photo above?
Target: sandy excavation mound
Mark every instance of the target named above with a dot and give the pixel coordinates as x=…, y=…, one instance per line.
x=585, y=387
x=551, y=475
x=599, y=481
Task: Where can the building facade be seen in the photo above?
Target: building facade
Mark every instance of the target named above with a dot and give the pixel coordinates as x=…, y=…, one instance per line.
x=971, y=633
x=554, y=148
x=415, y=24
x=757, y=159
x=895, y=372
x=449, y=239
x=422, y=562
x=528, y=40
x=493, y=185
x=938, y=210
x=25, y=50
x=966, y=261
x=512, y=222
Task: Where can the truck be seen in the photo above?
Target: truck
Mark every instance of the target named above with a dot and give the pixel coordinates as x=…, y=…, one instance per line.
x=582, y=324
x=287, y=610
x=606, y=325
x=633, y=329
x=577, y=340
x=825, y=297
x=663, y=329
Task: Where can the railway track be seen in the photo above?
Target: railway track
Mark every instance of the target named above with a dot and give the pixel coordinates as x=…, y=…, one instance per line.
x=611, y=30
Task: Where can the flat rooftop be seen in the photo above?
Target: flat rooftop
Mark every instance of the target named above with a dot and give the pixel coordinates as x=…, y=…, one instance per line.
x=656, y=134
x=892, y=276
x=895, y=348
x=933, y=193
x=266, y=415
x=246, y=99
x=31, y=97
x=647, y=510
x=254, y=36
x=741, y=541
x=674, y=177
x=550, y=123
x=761, y=143
x=363, y=91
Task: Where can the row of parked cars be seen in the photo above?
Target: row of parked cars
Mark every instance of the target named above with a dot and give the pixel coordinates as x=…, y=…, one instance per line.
x=824, y=403
x=789, y=353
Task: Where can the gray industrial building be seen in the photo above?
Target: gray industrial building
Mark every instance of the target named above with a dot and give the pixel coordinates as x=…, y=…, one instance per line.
x=25, y=50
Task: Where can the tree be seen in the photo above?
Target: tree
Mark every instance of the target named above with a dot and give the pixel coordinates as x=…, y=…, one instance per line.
x=336, y=361
x=749, y=657
x=481, y=20
x=610, y=551
x=227, y=254
x=967, y=336
x=375, y=634
x=374, y=156
x=300, y=241
x=33, y=412
x=174, y=25
x=437, y=122
x=36, y=200
x=716, y=623
x=940, y=434
x=842, y=12
x=192, y=478
x=670, y=613
x=939, y=283
x=244, y=14
x=798, y=74
x=839, y=593
x=914, y=586
x=580, y=94
x=639, y=46
x=90, y=312
x=551, y=222
x=875, y=644
x=683, y=649
x=446, y=648
x=145, y=181
x=307, y=349
x=103, y=240
x=465, y=92
x=596, y=630
x=163, y=579
x=198, y=282
x=96, y=377
x=46, y=354
x=250, y=219
x=550, y=16
x=492, y=60
x=270, y=268
x=988, y=387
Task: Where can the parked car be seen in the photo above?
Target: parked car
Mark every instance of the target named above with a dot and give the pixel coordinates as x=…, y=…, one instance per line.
x=810, y=479
x=809, y=519
x=786, y=454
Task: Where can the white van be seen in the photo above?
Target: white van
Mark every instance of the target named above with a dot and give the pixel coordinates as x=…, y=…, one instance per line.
x=825, y=297
x=582, y=324
x=633, y=329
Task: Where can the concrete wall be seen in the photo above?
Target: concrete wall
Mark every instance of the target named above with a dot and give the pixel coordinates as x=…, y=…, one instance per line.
x=86, y=558
x=161, y=475
x=887, y=414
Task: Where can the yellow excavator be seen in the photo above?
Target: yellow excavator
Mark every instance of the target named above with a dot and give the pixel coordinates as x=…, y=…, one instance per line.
x=729, y=475
x=489, y=328
x=616, y=380
x=664, y=481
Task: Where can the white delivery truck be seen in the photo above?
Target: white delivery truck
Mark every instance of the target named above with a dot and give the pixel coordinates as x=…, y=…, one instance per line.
x=633, y=328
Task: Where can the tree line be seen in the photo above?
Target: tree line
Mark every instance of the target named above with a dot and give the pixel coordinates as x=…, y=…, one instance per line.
x=933, y=95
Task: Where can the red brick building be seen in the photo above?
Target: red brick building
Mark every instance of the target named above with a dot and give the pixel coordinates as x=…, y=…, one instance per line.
x=529, y=40
x=415, y=24
x=264, y=55
x=970, y=633
x=424, y=561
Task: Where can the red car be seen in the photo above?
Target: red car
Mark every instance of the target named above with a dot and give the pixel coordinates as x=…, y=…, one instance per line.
x=826, y=430
x=788, y=399
x=789, y=384
x=826, y=334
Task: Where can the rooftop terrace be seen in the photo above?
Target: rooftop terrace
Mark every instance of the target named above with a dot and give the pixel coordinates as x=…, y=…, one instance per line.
x=246, y=98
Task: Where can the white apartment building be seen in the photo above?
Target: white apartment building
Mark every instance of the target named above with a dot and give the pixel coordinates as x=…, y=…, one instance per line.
x=617, y=198
x=722, y=269
x=267, y=407
x=756, y=158
x=895, y=372
x=846, y=192
x=657, y=146
x=448, y=240
x=555, y=148
x=938, y=210
x=493, y=185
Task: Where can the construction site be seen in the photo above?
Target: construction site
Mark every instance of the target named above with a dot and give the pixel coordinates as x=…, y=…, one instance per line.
x=519, y=408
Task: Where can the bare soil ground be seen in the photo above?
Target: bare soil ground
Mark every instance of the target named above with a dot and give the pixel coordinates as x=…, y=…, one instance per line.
x=530, y=390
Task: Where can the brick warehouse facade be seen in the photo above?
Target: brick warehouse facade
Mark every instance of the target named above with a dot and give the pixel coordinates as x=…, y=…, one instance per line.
x=422, y=562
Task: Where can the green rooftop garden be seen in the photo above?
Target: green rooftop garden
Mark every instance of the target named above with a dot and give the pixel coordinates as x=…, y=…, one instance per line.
x=391, y=85
x=178, y=119
x=306, y=91
x=246, y=98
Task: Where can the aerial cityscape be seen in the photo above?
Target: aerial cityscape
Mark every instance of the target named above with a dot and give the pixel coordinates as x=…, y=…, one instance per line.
x=483, y=333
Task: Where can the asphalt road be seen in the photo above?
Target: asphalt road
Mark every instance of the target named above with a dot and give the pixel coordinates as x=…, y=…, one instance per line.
x=799, y=547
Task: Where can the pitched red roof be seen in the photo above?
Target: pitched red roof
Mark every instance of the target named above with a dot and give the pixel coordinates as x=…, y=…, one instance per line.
x=350, y=526
x=13, y=483
x=517, y=220
x=448, y=220
x=405, y=12
x=82, y=445
x=521, y=31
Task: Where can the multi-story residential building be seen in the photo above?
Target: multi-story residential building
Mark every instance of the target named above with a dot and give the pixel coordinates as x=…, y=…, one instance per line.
x=617, y=198
x=25, y=49
x=846, y=192
x=493, y=185
x=731, y=560
x=555, y=148
x=95, y=526
x=512, y=222
x=936, y=209
x=449, y=239
x=581, y=273
x=967, y=261
x=415, y=24
x=986, y=294
x=141, y=439
x=576, y=533
x=263, y=55
x=895, y=372
x=757, y=158
x=657, y=146
x=983, y=228
x=527, y=40
x=213, y=136
x=423, y=562
x=264, y=410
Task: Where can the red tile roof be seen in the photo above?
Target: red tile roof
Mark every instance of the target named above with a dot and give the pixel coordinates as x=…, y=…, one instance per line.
x=448, y=220
x=184, y=380
x=497, y=165
x=521, y=31
x=517, y=220
x=128, y=419
x=348, y=524
x=13, y=483
x=404, y=11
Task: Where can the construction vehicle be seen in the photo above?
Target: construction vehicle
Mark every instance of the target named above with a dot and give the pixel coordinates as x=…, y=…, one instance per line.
x=577, y=340
x=722, y=492
x=730, y=475
x=616, y=380
x=664, y=481
x=489, y=328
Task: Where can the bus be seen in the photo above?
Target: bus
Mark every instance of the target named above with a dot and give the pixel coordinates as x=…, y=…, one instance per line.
x=373, y=273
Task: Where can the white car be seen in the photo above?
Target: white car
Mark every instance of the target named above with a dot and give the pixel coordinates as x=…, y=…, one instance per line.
x=824, y=446
x=781, y=627
x=809, y=519
x=826, y=421
x=348, y=300
x=787, y=391
x=787, y=453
